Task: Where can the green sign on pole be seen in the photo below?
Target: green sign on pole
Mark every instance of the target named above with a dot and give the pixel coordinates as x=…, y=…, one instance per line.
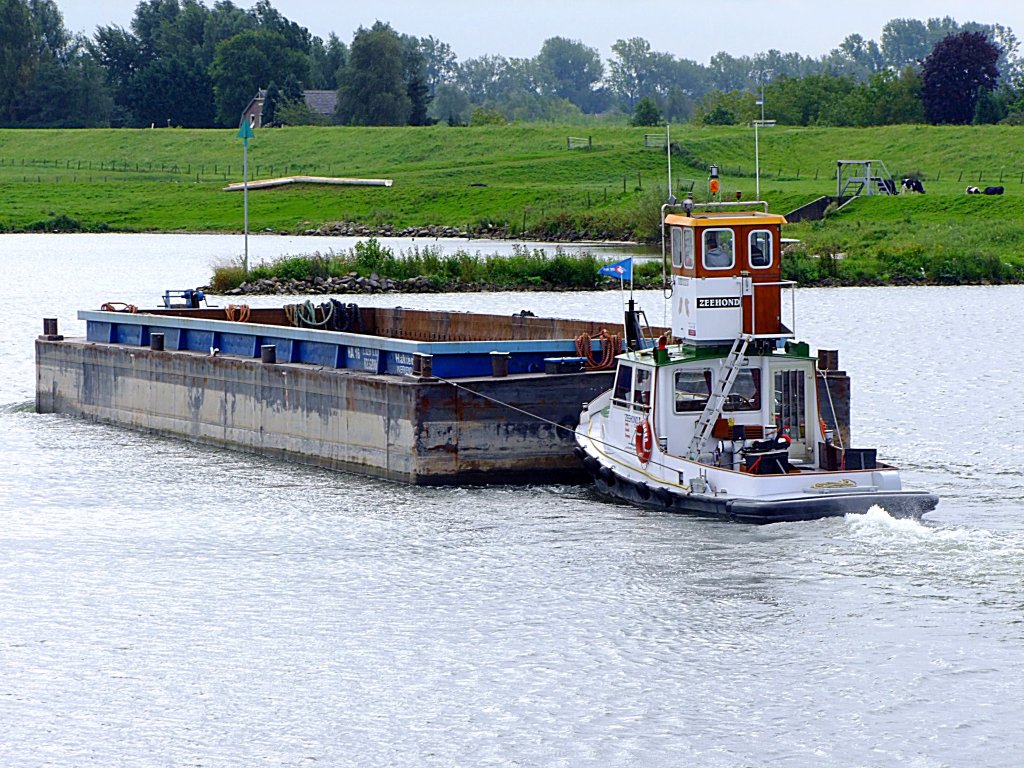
x=245, y=133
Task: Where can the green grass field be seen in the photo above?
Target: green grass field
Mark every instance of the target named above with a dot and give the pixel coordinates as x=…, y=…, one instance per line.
x=522, y=177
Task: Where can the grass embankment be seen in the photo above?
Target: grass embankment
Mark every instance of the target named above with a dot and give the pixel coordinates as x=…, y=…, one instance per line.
x=521, y=180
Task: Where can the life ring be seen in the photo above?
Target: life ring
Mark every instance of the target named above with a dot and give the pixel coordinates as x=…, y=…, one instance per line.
x=643, y=441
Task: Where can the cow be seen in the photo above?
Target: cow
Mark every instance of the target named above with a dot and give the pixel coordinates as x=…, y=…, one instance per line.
x=992, y=191
x=973, y=191
x=912, y=185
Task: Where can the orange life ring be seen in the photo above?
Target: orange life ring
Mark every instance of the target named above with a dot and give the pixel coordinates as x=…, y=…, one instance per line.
x=643, y=441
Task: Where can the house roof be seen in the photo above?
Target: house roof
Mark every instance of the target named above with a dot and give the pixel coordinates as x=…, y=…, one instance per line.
x=322, y=102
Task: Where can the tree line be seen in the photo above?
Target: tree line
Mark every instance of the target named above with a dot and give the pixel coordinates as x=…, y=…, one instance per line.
x=181, y=63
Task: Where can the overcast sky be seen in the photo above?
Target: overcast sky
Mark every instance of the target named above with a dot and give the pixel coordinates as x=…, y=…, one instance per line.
x=684, y=28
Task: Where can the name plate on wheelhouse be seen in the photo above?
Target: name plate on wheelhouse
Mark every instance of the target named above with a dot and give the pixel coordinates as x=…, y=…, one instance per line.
x=725, y=302
x=707, y=309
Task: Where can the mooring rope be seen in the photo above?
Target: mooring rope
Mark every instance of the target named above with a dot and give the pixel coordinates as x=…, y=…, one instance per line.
x=113, y=306
x=555, y=424
x=304, y=315
x=237, y=313
x=611, y=345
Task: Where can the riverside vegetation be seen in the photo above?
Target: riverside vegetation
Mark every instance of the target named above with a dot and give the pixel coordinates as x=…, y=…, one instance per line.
x=521, y=181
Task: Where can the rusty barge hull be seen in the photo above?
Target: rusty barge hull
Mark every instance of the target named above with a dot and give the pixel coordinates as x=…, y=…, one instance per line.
x=345, y=401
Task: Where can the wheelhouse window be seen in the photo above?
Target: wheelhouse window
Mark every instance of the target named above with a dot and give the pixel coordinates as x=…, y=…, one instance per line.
x=718, y=249
x=688, y=248
x=623, y=382
x=761, y=249
x=677, y=246
x=745, y=394
x=693, y=388
x=642, y=388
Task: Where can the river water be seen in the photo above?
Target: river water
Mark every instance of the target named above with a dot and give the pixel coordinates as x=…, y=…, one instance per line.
x=166, y=604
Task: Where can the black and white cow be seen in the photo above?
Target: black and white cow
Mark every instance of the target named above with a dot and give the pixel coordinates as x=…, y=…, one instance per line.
x=912, y=185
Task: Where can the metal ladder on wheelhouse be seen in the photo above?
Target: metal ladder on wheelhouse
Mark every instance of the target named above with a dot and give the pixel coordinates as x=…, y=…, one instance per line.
x=716, y=402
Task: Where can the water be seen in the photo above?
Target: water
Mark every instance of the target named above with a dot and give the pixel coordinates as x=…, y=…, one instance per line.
x=170, y=604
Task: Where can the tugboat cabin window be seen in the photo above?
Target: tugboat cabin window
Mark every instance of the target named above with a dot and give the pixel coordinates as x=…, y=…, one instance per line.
x=623, y=383
x=693, y=388
x=760, y=249
x=642, y=389
x=746, y=391
x=682, y=247
x=718, y=249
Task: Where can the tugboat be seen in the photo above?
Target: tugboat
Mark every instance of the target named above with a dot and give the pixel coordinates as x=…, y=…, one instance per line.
x=723, y=415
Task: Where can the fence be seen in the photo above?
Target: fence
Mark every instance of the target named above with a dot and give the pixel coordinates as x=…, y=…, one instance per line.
x=579, y=142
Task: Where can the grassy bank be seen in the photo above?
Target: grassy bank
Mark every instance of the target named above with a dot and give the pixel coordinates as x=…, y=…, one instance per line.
x=525, y=268
x=521, y=180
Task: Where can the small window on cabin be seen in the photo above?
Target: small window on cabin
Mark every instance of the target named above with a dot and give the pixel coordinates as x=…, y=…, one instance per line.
x=718, y=249
x=688, y=248
x=677, y=246
x=745, y=394
x=693, y=388
x=642, y=388
x=623, y=381
x=760, y=249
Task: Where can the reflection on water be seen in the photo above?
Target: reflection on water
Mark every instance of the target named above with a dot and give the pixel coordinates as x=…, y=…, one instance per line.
x=166, y=603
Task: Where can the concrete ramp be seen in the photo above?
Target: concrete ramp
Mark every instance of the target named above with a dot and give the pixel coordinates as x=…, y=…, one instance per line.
x=267, y=183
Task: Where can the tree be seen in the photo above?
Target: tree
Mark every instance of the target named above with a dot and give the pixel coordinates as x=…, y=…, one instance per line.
x=646, y=113
x=955, y=72
x=414, y=73
x=17, y=60
x=245, y=62
x=442, y=67
x=326, y=62
x=629, y=69
x=567, y=69
x=373, y=90
x=450, y=105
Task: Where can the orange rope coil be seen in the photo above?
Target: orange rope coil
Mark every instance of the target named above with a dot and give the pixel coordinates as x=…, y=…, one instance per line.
x=238, y=313
x=611, y=345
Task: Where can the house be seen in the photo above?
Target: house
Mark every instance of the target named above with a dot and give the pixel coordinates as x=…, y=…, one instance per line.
x=319, y=102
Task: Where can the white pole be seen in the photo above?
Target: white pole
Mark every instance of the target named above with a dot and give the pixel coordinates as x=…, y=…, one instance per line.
x=245, y=197
x=757, y=166
x=668, y=152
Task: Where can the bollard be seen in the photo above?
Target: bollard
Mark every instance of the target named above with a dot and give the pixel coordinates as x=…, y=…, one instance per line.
x=427, y=366
x=268, y=354
x=156, y=342
x=828, y=359
x=50, y=330
x=499, y=364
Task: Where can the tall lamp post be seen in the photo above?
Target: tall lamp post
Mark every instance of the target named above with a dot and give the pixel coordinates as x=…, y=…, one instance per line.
x=245, y=133
x=757, y=152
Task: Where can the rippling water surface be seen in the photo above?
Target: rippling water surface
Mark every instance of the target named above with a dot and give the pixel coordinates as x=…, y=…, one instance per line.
x=168, y=604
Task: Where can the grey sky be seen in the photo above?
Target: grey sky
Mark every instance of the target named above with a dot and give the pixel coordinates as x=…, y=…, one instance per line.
x=685, y=29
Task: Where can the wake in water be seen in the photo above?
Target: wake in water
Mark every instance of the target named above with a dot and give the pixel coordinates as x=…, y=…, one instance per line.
x=878, y=525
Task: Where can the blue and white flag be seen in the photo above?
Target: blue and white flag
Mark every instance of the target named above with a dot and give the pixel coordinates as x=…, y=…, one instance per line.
x=620, y=269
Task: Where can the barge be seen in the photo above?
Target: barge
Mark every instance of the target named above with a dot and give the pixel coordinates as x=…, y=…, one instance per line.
x=429, y=398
